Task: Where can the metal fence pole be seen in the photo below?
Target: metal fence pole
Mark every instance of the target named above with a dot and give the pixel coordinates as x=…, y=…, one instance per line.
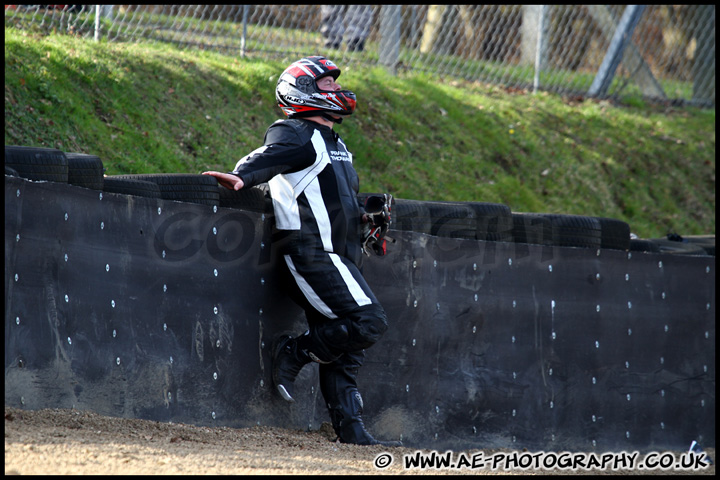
x=390, y=20
x=703, y=68
x=244, y=30
x=97, y=23
x=622, y=37
x=539, y=53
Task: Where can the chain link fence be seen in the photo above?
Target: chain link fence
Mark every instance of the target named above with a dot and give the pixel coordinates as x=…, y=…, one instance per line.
x=657, y=52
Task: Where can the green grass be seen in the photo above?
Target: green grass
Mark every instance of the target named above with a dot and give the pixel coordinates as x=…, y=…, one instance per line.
x=149, y=108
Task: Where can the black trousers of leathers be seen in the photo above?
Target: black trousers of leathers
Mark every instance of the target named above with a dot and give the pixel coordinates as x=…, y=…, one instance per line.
x=344, y=318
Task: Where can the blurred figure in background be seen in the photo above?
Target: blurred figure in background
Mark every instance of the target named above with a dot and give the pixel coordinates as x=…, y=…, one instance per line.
x=349, y=21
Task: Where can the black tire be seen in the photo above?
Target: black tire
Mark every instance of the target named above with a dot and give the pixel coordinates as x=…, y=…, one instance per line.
x=614, y=234
x=434, y=218
x=679, y=246
x=452, y=220
x=254, y=199
x=494, y=221
x=37, y=163
x=127, y=186
x=85, y=170
x=707, y=242
x=410, y=216
x=532, y=228
x=469, y=220
x=183, y=187
x=575, y=230
x=643, y=245
x=11, y=171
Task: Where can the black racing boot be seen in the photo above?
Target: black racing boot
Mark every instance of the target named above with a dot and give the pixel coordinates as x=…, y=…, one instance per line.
x=346, y=417
x=288, y=360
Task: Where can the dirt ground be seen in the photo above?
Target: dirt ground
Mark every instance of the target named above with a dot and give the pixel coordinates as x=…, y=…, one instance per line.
x=56, y=441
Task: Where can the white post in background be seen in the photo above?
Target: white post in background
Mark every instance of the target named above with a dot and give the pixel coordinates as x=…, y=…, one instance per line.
x=539, y=52
x=97, y=22
x=244, y=31
x=533, y=39
x=390, y=20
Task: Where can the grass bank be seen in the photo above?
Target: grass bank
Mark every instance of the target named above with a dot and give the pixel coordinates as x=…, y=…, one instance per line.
x=146, y=108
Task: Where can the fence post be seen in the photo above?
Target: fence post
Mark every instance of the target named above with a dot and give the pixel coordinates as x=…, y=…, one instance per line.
x=540, y=50
x=621, y=38
x=97, y=23
x=703, y=68
x=244, y=31
x=390, y=20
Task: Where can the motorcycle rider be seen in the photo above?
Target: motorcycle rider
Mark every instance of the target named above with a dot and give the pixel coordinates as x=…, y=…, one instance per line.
x=314, y=187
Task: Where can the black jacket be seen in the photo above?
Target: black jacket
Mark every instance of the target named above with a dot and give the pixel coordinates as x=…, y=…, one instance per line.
x=313, y=185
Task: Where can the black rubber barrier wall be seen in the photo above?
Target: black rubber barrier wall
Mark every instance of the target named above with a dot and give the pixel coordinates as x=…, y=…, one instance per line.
x=148, y=308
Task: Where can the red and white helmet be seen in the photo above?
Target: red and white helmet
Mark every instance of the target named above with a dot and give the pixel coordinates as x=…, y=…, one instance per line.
x=298, y=95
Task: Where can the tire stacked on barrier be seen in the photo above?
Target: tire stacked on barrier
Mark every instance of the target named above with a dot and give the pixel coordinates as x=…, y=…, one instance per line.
x=682, y=245
x=466, y=220
x=495, y=222
x=130, y=186
x=38, y=164
x=182, y=187
x=85, y=170
x=255, y=199
x=571, y=231
x=533, y=228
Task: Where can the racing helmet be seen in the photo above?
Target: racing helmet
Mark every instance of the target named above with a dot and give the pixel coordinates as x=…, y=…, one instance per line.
x=298, y=95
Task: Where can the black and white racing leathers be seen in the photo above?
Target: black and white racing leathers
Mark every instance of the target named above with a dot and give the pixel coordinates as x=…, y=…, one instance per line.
x=314, y=187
